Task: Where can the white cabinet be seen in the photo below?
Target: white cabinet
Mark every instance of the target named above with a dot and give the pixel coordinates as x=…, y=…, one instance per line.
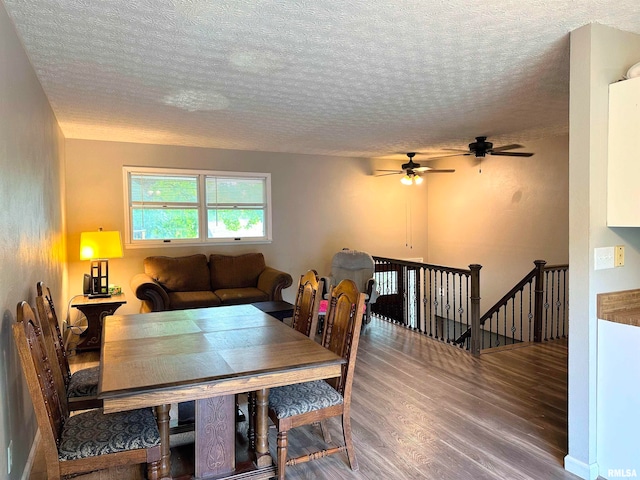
x=618, y=404
x=623, y=181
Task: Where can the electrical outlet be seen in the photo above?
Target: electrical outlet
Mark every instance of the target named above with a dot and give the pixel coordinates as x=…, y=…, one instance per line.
x=619, y=256
x=9, y=456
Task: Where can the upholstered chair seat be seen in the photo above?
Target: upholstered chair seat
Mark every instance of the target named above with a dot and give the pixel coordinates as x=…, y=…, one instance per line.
x=302, y=398
x=93, y=433
x=84, y=383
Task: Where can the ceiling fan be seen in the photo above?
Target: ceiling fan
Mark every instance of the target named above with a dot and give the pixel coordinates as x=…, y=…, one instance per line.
x=481, y=148
x=412, y=171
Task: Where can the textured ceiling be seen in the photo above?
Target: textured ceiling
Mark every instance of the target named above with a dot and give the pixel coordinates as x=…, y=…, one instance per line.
x=360, y=78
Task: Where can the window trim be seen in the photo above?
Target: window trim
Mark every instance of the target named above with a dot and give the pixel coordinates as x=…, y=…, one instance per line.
x=202, y=205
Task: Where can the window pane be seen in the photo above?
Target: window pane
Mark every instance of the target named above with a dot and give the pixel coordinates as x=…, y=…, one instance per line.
x=164, y=188
x=235, y=191
x=163, y=223
x=237, y=222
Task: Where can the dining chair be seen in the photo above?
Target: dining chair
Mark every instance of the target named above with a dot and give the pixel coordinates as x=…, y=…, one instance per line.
x=306, y=403
x=86, y=441
x=304, y=320
x=308, y=296
x=82, y=386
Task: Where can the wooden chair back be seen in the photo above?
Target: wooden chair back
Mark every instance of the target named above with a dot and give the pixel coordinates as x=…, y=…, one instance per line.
x=305, y=313
x=51, y=331
x=52, y=414
x=342, y=331
x=49, y=403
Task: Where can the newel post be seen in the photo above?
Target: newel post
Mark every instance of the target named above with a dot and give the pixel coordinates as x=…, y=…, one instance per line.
x=475, y=309
x=538, y=305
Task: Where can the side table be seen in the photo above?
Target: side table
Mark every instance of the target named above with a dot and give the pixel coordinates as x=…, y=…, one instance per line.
x=278, y=309
x=95, y=309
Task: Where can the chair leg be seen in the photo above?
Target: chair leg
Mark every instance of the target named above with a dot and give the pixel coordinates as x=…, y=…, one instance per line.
x=325, y=431
x=153, y=470
x=348, y=441
x=367, y=315
x=251, y=407
x=282, y=453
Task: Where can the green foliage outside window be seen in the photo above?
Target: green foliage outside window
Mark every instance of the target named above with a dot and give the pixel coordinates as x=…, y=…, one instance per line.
x=167, y=206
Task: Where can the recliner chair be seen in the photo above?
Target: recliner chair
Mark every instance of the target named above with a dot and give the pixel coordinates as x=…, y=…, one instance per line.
x=359, y=267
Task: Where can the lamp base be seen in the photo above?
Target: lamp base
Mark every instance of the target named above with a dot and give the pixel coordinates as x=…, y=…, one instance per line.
x=99, y=295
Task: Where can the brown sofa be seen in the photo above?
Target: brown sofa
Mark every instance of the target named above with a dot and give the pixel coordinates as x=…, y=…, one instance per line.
x=177, y=283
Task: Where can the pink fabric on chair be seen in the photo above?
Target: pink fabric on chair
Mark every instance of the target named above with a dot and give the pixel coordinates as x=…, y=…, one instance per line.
x=323, y=307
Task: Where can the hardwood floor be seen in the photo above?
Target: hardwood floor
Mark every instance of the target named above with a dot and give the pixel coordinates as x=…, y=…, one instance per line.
x=423, y=410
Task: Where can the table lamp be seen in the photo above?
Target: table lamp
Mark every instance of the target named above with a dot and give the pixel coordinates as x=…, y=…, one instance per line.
x=99, y=247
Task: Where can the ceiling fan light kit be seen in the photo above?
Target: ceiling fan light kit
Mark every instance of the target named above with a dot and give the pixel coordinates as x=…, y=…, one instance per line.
x=411, y=171
x=413, y=178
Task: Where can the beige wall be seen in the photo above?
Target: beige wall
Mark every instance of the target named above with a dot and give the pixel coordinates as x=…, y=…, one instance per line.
x=32, y=242
x=320, y=204
x=514, y=212
x=600, y=55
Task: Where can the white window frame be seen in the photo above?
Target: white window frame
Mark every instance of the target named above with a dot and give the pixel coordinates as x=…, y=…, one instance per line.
x=202, y=239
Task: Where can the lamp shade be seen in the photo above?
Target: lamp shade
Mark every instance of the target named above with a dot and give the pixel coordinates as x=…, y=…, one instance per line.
x=100, y=244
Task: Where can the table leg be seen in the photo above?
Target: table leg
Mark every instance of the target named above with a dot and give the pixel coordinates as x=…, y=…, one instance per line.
x=263, y=457
x=162, y=416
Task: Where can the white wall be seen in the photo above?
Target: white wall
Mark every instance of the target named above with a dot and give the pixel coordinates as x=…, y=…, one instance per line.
x=514, y=212
x=599, y=56
x=32, y=241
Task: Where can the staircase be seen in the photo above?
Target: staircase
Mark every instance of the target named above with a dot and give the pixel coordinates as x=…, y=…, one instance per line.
x=444, y=303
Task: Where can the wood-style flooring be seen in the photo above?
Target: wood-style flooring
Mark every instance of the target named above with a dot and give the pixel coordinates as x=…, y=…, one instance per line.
x=424, y=410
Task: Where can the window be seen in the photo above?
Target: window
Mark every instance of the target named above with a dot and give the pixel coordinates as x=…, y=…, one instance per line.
x=171, y=206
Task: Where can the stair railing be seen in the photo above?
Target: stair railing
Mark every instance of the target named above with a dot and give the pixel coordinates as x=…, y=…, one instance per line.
x=435, y=300
x=444, y=303
x=534, y=310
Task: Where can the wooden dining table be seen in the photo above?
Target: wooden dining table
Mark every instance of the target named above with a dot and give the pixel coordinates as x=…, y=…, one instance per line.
x=207, y=355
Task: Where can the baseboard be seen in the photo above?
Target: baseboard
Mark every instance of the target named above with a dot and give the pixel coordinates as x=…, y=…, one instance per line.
x=26, y=473
x=581, y=469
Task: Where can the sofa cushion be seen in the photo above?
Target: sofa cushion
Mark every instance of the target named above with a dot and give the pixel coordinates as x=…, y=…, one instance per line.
x=236, y=296
x=184, y=300
x=235, y=271
x=179, y=274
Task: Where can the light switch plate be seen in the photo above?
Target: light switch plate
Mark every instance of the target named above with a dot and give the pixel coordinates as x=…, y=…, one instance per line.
x=603, y=258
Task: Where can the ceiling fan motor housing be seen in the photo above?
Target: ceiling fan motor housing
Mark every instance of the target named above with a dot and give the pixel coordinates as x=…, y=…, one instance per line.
x=480, y=147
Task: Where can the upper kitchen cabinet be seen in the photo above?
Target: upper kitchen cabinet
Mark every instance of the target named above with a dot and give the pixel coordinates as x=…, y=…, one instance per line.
x=623, y=183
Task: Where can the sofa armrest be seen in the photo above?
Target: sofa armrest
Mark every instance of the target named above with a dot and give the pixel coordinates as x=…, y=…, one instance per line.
x=272, y=281
x=154, y=297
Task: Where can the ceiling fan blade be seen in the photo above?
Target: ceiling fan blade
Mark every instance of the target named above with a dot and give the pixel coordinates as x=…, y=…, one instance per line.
x=387, y=174
x=507, y=147
x=446, y=156
x=395, y=171
x=440, y=170
x=461, y=150
x=512, y=154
